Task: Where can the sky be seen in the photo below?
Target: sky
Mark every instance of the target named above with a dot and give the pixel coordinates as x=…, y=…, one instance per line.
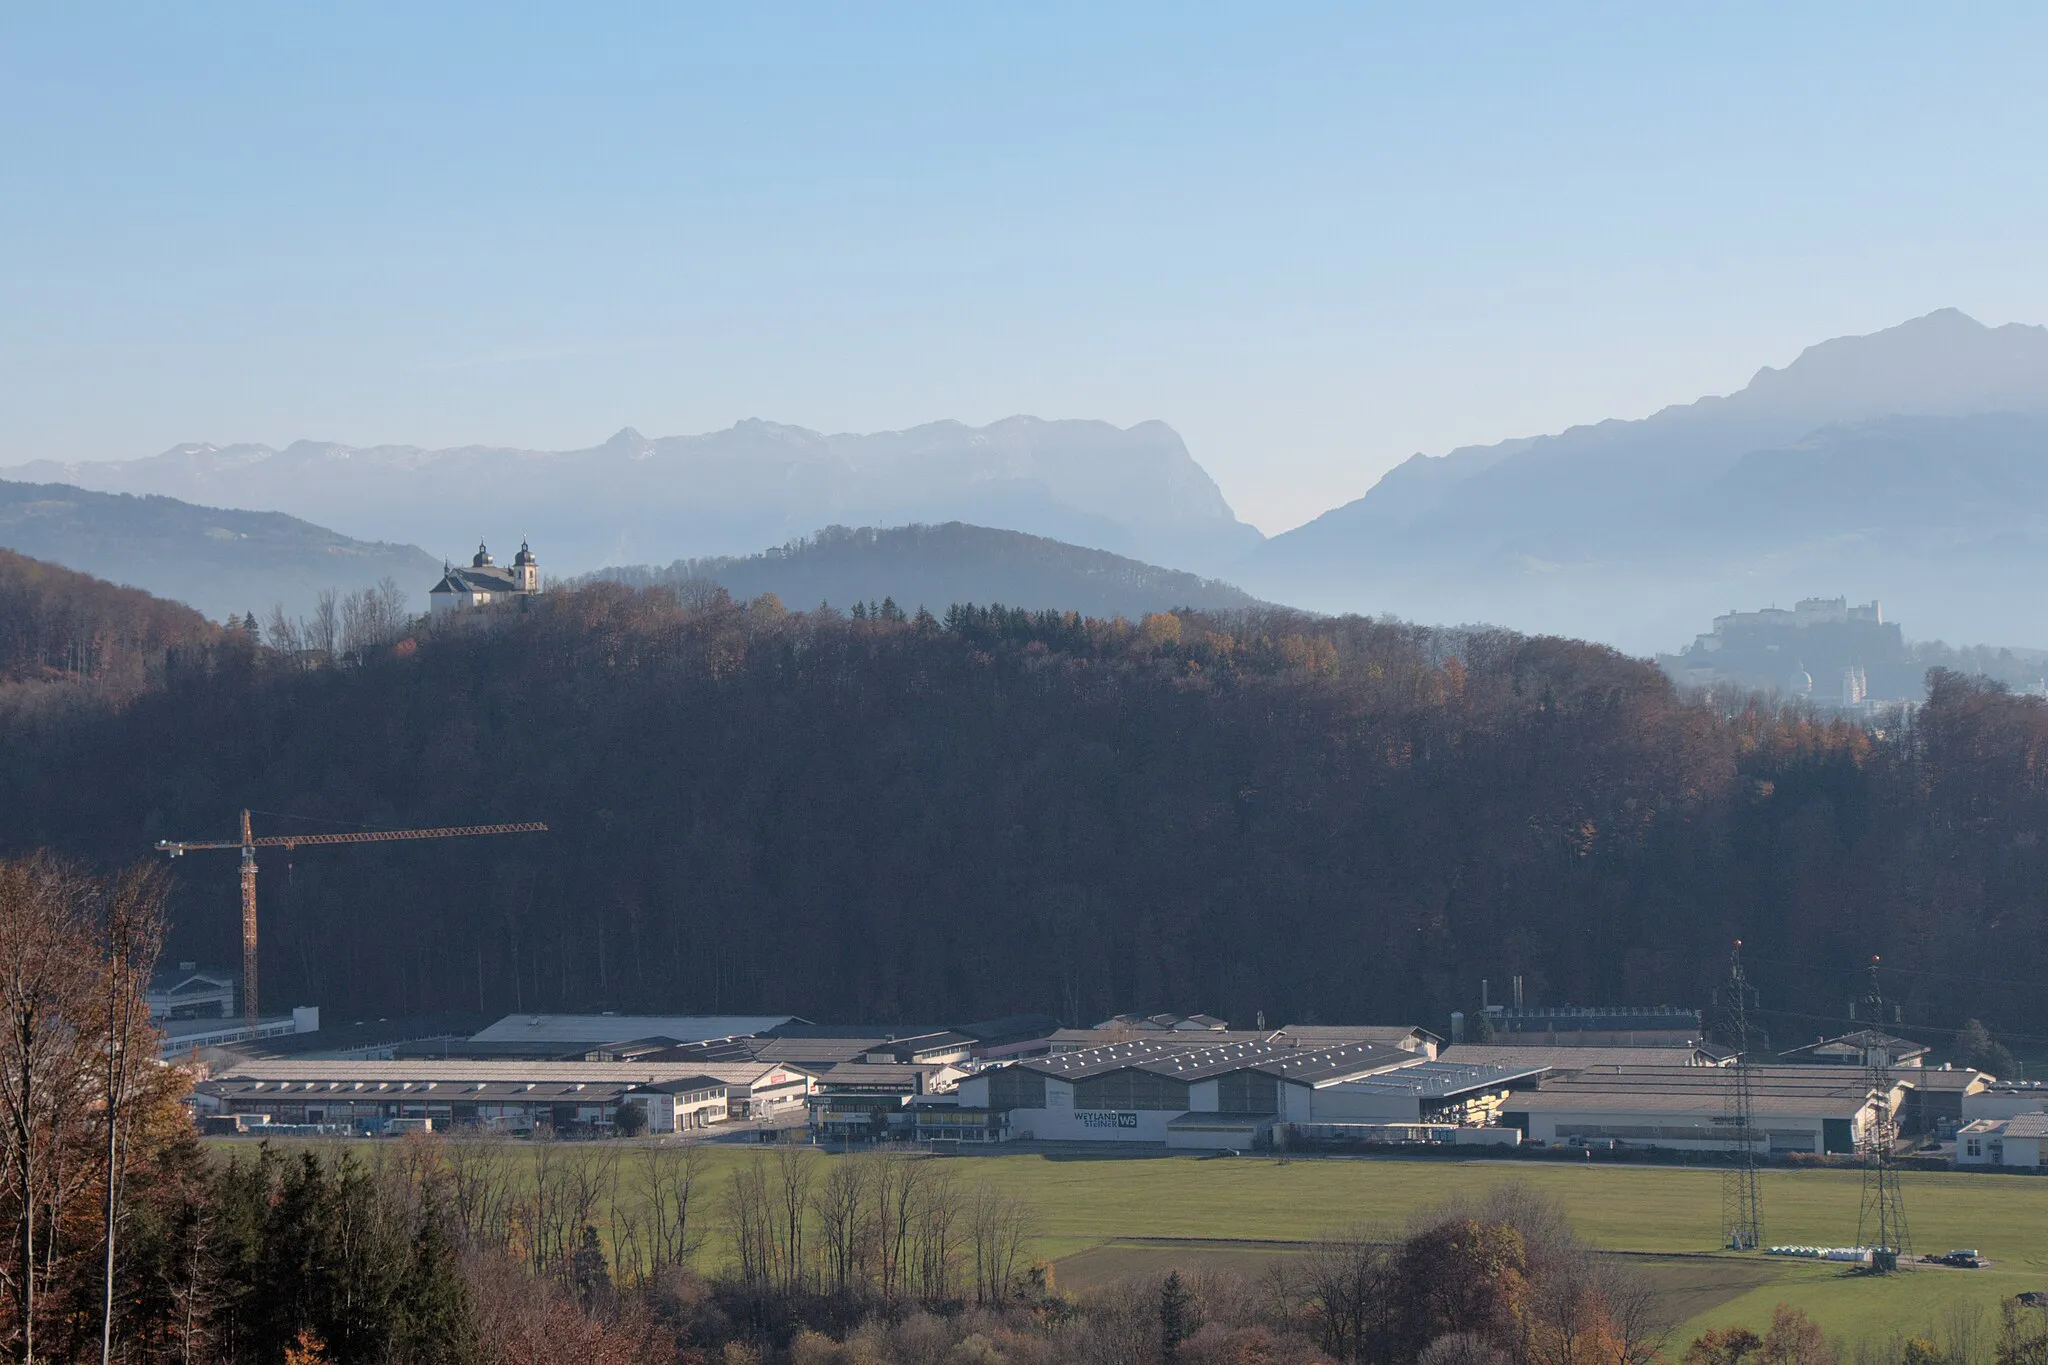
x=1315, y=239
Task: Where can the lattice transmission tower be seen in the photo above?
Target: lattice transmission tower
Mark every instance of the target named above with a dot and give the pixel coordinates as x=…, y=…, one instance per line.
x=1742, y=1207
x=1881, y=1224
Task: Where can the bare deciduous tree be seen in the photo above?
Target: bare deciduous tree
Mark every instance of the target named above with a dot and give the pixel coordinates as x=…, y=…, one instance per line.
x=46, y=993
x=999, y=1228
x=841, y=1207
x=132, y=937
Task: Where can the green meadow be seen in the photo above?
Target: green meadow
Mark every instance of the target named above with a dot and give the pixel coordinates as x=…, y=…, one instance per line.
x=1101, y=1217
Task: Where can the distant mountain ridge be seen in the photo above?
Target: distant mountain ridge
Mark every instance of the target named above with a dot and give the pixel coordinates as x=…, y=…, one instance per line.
x=219, y=560
x=1880, y=465
x=1133, y=491
x=937, y=566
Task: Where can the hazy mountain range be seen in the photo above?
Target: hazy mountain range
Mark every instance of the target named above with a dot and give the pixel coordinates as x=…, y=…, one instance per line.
x=936, y=566
x=1910, y=465
x=1132, y=491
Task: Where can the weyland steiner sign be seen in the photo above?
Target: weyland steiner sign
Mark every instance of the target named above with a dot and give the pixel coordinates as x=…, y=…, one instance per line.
x=1105, y=1118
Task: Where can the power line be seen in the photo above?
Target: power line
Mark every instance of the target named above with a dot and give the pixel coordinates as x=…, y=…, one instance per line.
x=1816, y=970
x=1917, y=1028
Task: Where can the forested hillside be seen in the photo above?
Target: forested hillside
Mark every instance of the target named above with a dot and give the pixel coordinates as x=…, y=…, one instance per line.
x=1323, y=820
x=60, y=626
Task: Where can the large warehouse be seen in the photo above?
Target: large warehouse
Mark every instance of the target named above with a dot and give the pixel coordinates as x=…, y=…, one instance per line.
x=513, y=1096
x=1684, y=1108
x=1231, y=1095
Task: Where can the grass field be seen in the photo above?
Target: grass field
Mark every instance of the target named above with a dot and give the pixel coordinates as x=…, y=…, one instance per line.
x=1101, y=1217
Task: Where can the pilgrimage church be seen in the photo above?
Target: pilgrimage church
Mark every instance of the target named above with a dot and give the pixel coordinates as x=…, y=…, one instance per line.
x=484, y=584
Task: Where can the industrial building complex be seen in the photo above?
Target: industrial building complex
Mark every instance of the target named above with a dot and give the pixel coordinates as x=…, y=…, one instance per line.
x=1551, y=1079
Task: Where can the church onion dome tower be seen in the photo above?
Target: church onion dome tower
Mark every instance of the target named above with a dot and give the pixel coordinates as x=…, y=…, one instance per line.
x=1801, y=682
x=483, y=558
x=526, y=568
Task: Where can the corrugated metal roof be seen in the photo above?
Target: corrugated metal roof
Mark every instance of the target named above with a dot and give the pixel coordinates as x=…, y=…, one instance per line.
x=407, y=1071
x=590, y=1029
x=1321, y=1035
x=1435, y=1080
x=1563, y=1059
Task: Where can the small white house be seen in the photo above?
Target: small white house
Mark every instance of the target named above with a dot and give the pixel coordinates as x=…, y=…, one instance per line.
x=2013, y=1142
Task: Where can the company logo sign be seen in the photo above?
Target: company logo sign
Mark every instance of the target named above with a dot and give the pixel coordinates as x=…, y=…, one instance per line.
x=1105, y=1118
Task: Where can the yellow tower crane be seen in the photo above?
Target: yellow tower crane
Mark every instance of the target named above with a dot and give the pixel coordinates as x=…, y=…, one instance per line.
x=178, y=848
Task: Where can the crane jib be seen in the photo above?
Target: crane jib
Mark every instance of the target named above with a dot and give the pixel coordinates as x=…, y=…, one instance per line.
x=248, y=844
x=180, y=846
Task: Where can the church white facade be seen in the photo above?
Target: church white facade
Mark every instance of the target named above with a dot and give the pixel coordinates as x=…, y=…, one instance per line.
x=484, y=584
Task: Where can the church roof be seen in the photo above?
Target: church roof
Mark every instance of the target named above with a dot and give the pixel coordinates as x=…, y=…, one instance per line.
x=489, y=579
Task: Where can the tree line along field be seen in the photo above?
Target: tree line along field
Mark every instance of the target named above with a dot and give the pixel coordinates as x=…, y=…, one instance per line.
x=1098, y=1218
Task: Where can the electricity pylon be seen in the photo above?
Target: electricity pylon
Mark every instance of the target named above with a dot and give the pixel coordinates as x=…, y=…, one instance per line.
x=1742, y=1208
x=1881, y=1223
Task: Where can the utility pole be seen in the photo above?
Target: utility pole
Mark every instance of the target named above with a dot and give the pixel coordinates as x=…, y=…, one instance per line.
x=1881, y=1223
x=1742, y=1210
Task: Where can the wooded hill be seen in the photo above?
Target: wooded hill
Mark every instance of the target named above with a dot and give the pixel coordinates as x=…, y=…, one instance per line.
x=60, y=626
x=938, y=565
x=1324, y=820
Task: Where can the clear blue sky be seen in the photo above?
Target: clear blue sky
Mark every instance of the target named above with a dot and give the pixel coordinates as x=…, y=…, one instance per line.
x=1315, y=239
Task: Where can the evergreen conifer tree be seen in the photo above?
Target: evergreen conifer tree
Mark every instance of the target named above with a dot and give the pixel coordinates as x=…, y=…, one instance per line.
x=368, y=1248
x=1176, y=1317
x=593, y=1280
x=435, y=1324
x=295, y=1273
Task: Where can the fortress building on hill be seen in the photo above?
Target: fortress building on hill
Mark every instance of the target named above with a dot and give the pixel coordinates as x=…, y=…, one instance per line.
x=1822, y=649
x=484, y=586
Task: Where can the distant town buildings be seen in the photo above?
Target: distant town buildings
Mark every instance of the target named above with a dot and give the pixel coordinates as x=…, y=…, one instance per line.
x=1823, y=650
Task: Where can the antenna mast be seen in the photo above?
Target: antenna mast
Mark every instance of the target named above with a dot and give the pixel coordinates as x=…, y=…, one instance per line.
x=1881, y=1224
x=1742, y=1210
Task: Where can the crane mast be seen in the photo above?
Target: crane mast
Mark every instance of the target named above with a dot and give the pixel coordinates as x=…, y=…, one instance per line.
x=248, y=926
x=249, y=843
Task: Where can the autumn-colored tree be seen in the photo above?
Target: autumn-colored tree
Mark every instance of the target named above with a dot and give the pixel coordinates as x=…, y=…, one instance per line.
x=1795, y=1339
x=306, y=1349
x=78, y=1083
x=1464, y=1276
x=1792, y=1339
x=1724, y=1346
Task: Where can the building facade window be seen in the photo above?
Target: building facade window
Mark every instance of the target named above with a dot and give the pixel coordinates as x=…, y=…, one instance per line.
x=1011, y=1088
x=1131, y=1090
x=1248, y=1092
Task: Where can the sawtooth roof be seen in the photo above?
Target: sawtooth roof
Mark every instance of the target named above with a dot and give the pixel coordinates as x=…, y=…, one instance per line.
x=1308, y=1066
